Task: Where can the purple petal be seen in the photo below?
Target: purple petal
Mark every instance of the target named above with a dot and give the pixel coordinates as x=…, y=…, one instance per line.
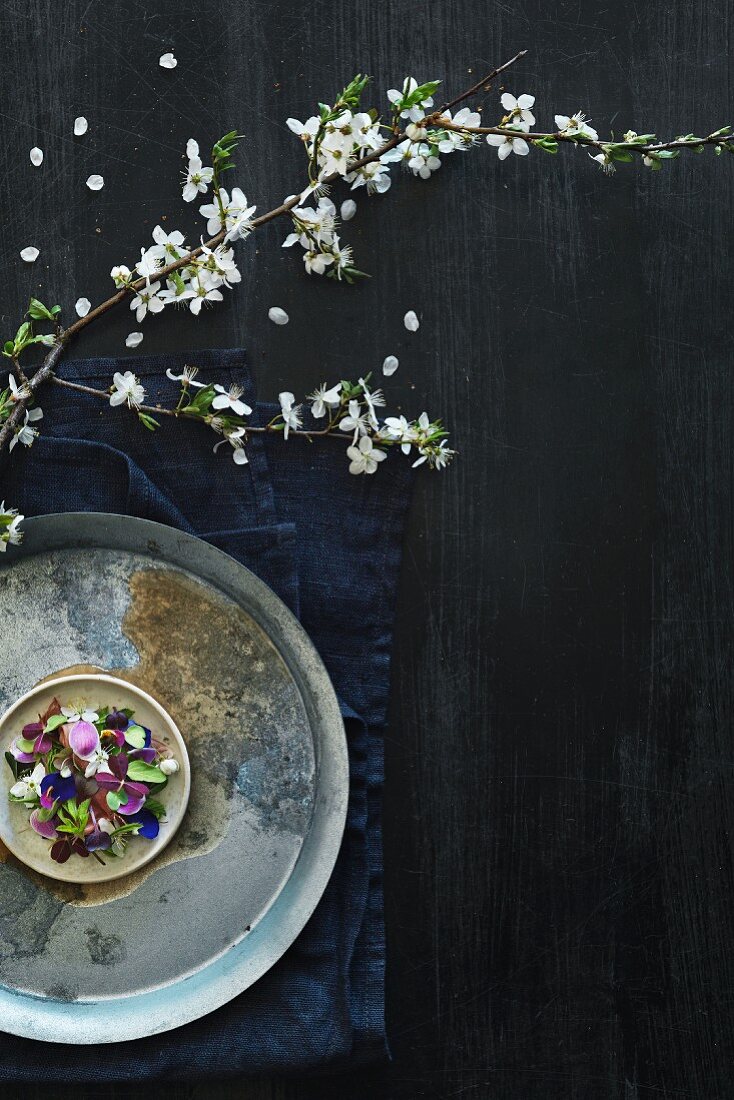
x=83, y=740
x=135, y=799
x=116, y=720
x=146, y=755
x=107, y=780
x=32, y=730
x=97, y=840
x=43, y=743
x=118, y=765
x=60, y=851
x=43, y=828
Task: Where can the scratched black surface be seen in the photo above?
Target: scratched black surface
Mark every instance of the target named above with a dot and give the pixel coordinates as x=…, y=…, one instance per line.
x=559, y=800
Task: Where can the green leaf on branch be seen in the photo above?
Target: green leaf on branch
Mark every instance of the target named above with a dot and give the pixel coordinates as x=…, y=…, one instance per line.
x=148, y=421
x=547, y=144
x=39, y=312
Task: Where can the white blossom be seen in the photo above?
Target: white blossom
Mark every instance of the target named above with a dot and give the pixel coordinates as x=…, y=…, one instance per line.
x=518, y=109
x=147, y=300
x=120, y=275
x=356, y=421
x=411, y=322
x=167, y=61
x=220, y=265
x=229, y=399
x=80, y=714
x=170, y=767
x=201, y=290
x=415, y=113
x=451, y=141
x=423, y=162
x=80, y=126
x=305, y=130
x=187, y=377
x=278, y=316
x=26, y=434
x=324, y=398
x=508, y=144
x=28, y=787
x=95, y=182
x=196, y=177
x=17, y=392
x=235, y=437
x=375, y=176
x=133, y=339
x=29, y=254
x=237, y=214
x=399, y=429
x=148, y=264
x=128, y=388
x=575, y=125
x=373, y=400
x=10, y=533
x=365, y=457
x=82, y=306
x=605, y=162
x=168, y=246
x=36, y=156
x=316, y=263
x=289, y=412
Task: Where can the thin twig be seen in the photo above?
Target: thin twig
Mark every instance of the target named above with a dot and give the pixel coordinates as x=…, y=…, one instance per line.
x=180, y=414
x=481, y=85
x=583, y=139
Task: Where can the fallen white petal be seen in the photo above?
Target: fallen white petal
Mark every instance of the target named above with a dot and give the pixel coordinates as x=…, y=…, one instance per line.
x=348, y=209
x=80, y=126
x=95, y=183
x=168, y=61
x=83, y=306
x=133, y=339
x=411, y=321
x=278, y=316
x=390, y=365
x=36, y=156
x=29, y=254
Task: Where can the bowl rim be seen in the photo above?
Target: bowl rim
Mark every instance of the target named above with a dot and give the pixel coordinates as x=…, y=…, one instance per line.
x=181, y=803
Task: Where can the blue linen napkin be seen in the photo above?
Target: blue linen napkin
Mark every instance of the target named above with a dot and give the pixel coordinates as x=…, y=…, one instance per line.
x=329, y=545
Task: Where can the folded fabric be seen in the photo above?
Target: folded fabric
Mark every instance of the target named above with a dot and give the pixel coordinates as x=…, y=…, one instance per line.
x=329, y=545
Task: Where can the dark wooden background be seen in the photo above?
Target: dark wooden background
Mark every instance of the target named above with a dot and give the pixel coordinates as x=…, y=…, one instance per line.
x=560, y=763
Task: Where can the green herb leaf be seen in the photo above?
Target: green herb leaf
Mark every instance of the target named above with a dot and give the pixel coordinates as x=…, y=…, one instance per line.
x=135, y=736
x=141, y=772
x=113, y=800
x=54, y=722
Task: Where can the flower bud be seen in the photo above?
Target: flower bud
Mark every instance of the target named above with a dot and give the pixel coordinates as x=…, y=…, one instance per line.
x=169, y=767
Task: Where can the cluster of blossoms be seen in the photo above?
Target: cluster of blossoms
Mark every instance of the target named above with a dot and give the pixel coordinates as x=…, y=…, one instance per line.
x=343, y=409
x=343, y=142
x=90, y=779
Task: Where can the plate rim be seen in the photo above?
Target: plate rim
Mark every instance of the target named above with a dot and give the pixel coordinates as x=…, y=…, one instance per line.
x=161, y=1009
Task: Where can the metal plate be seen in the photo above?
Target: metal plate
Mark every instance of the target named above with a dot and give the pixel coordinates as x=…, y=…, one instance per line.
x=269, y=789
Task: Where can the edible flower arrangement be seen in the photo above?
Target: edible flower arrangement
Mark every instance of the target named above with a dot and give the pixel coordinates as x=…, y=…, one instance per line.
x=90, y=779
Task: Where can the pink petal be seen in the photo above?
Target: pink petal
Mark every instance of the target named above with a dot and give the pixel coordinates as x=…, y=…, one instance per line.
x=83, y=740
x=43, y=828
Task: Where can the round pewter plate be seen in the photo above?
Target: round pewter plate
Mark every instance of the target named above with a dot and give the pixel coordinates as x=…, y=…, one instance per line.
x=89, y=593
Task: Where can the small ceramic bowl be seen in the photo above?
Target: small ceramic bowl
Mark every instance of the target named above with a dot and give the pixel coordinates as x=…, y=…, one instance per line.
x=95, y=691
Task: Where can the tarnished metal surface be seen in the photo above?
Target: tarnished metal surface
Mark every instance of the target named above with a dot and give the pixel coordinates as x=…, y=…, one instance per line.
x=269, y=778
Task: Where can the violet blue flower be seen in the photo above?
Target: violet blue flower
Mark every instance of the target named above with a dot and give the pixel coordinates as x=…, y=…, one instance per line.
x=57, y=788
